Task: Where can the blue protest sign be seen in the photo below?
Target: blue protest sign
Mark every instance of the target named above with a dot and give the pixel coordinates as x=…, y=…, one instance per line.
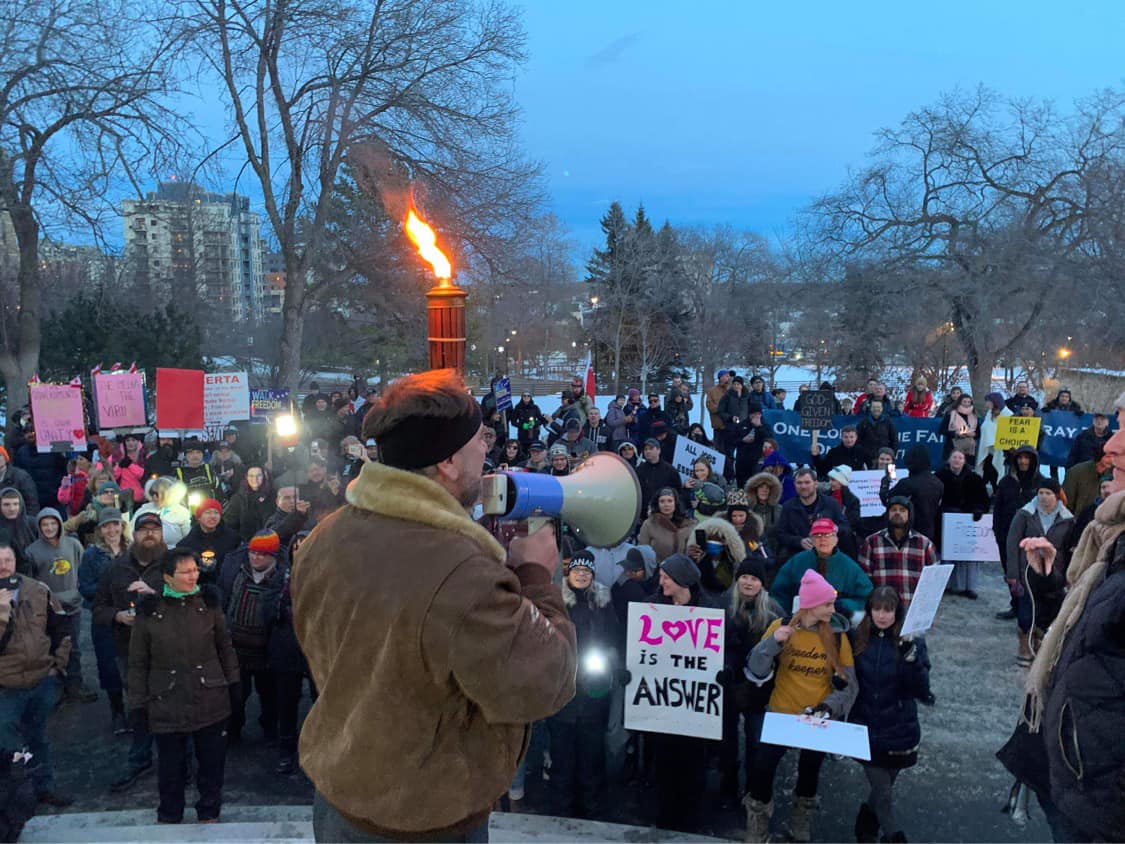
x=795, y=441
x=267, y=402
x=502, y=392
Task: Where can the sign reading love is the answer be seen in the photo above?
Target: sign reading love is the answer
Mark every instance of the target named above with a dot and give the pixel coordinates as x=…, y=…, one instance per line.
x=674, y=655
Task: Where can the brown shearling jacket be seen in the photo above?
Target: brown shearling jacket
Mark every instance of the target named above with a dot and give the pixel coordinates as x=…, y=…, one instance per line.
x=37, y=644
x=431, y=656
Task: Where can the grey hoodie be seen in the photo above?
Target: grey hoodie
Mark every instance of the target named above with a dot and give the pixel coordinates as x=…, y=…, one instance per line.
x=57, y=565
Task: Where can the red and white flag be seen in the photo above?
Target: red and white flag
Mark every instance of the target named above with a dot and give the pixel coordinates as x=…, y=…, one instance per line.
x=116, y=367
x=590, y=382
x=76, y=381
x=34, y=379
x=133, y=368
x=97, y=370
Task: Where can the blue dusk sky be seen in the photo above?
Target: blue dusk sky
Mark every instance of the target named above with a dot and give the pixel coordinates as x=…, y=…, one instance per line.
x=741, y=112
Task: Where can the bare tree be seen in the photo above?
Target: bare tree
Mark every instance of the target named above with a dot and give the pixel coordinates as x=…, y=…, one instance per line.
x=306, y=80
x=82, y=86
x=988, y=199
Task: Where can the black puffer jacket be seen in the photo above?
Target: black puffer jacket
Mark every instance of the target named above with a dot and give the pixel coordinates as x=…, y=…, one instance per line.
x=1085, y=712
x=595, y=625
x=889, y=691
x=922, y=488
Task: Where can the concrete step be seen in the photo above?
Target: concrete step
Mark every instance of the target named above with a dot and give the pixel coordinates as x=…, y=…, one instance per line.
x=294, y=823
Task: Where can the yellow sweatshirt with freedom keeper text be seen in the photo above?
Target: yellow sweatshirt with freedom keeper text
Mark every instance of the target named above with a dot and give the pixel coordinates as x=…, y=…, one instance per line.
x=803, y=676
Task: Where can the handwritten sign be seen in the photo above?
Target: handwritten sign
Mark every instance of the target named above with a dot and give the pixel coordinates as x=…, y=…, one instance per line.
x=865, y=486
x=120, y=399
x=674, y=655
x=806, y=733
x=226, y=397
x=1014, y=431
x=266, y=402
x=56, y=411
x=687, y=452
x=927, y=597
x=817, y=407
x=964, y=539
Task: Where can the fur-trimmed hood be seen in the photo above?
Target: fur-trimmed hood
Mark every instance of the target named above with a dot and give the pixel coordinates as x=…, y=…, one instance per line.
x=769, y=480
x=725, y=532
x=411, y=497
x=597, y=596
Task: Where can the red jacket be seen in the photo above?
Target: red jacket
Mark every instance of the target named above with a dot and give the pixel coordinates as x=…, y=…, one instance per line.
x=918, y=409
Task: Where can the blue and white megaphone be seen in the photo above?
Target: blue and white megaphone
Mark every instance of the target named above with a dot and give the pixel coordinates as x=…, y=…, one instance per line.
x=600, y=499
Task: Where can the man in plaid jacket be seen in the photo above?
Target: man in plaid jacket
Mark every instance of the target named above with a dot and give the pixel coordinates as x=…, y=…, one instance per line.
x=896, y=555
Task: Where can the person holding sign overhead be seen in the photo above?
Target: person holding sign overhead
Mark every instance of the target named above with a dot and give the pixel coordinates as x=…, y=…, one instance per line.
x=809, y=659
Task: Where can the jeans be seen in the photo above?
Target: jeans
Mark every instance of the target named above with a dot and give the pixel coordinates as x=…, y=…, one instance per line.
x=109, y=678
x=140, y=751
x=23, y=723
x=330, y=825
x=766, y=760
x=210, y=744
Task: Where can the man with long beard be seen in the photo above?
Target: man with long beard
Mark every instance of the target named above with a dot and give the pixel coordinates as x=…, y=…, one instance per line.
x=120, y=590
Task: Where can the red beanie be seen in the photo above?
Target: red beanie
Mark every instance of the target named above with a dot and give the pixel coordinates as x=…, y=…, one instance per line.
x=265, y=542
x=208, y=504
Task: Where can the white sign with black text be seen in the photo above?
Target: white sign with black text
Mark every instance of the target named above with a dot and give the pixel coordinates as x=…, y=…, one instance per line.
x=865, y=486
x=964, y=539
x=688, y=451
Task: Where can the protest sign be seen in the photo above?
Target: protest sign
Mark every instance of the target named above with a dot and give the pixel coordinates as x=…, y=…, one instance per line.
x=674, y=655
x=688, y=451
x=837, y=737
x=817, y=407
x=267, y=402
x=179, y=399
x=57, y=413
x=927, y=597
x=226, y=397
x=964, y=539
x=1014, y=431
x=865, y=486
x=795, y=440
x=120, y=399
x=502, y=393
x=1059, y=429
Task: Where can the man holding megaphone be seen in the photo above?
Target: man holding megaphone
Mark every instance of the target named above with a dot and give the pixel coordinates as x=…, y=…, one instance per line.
x=433, y=649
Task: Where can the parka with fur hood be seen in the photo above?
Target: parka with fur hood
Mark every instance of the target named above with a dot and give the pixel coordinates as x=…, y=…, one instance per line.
x=769, y=512
x=717, y=573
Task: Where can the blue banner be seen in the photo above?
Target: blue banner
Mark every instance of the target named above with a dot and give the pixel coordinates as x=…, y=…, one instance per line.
x=266, y=402
x=502, y=393
x=1059, y=429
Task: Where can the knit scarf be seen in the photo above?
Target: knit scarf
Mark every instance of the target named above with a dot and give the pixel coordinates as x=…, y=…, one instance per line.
x=249, y=628
x=1087, y=569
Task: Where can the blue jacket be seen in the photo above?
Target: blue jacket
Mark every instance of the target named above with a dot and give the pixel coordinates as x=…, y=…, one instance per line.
x=766, y=400
x=95, y=561
x=788, y=488
x=847, y=578
x=889, y=691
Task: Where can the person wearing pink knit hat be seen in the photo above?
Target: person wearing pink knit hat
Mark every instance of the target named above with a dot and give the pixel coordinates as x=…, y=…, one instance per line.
x=810, y=662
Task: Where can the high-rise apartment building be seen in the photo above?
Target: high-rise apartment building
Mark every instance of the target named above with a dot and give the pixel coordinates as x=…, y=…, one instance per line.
x=185, y=243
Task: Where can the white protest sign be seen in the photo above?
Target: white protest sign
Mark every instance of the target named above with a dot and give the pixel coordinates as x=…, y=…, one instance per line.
x=226, y=397
x=687, y=452
x=964, y=539
x=865, y=486
x=807, y=733
x=674, y=655
x=927, y=597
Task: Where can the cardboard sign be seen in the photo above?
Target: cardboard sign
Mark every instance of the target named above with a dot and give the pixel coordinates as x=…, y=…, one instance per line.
x=179, y=399
x=120, y=400
x=57, y=413
x=1014, y=431
x=964, y=539
x=927, y=597
x=502, y=393
x=865, y=486
x=674, y=655
x=837, y=737
x=687, y=452
x=817, y=407
x=267, y=402
x=226, y=397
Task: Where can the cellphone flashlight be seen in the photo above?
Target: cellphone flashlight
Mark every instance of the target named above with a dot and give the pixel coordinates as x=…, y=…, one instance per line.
x=594, y=663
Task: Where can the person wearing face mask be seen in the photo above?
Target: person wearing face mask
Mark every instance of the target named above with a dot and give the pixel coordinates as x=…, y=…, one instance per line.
x=894, y=675
x=578, y=730
x=810, y=661
x=749, y=612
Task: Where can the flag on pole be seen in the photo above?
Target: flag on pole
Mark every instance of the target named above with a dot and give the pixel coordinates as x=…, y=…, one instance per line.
x=76, y=381
x=97, y=370
x=590, y=383
x=133, y=368
x=116, y=367
x=34, y=379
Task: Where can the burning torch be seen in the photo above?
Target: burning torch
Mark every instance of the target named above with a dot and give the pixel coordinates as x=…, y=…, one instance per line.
x=445, y=303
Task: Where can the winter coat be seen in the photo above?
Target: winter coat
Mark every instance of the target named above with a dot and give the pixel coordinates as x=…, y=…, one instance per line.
x=283, y=652
x=734, y=406
x=39, y=642
x=1016, y=403
x=795, y=522
x=248, y=511
x=986, y=445
x=211, y=548
x=889, y=691
x=852, y=585
x=1081, y=485
x=963, y=493
x=21, y=532
x=96, y=560
x=71, y=493
x=250, y=631
x=469, y=653
x=741, y=634
x=665, y=538
x=922, y=488
x=718, y=572
x=1082, y=449
x=653, y=477
x=1048, y=591
x=596, y=630
x=873, y=434
x=770, y=512
x=840, y=455
x=765, y=399
x=181, y=662
x=619, y=428
x=916, y=406
x=1012, y=492
x=131, y=477
x=527, y=419
x=712, y=399
x=788, y=487
x=57, y=565
x=770, y=657
x=113, y=595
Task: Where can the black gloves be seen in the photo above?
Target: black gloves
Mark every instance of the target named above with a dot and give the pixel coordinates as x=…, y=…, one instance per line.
x=839, y=683
x=724, y=677
x=624, y=676
x=929, y=699
x=908, y=650
x=125, y=463
x=977, y=515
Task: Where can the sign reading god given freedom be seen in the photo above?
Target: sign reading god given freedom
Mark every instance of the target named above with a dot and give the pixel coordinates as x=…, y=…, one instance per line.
x=674, y=655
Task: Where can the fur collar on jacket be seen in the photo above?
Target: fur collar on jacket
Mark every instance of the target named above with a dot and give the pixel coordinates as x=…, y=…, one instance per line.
x=411, y=497
x=597, y=596
x=769, y=480
x=724, y=532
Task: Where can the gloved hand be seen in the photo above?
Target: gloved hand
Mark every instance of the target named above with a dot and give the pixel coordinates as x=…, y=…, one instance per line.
x=839, y=683
x=819, y=711
x=908, y=649
x=138, y=720
x=624, y=676
x=977, y=515
x=724, y=677
x=929, y=699
x=125, y=463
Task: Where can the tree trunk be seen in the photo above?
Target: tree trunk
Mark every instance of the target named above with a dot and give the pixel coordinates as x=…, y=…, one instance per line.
x=20, y=358
x=292, y=324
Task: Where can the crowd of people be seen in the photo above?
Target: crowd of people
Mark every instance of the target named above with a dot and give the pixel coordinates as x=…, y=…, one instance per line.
x=183, y=552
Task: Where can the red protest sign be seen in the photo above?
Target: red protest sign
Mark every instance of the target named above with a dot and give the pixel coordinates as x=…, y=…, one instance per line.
x=179, y=398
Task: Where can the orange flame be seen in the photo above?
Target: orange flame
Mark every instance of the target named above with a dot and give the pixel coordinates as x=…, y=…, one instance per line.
x=424, y=238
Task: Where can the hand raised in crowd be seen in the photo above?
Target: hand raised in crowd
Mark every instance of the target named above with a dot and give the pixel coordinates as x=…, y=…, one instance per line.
x=781, y=634
x=1040, y=553
x=540, y=548
x=696, y=553
x=303, y=506
x=142, y=587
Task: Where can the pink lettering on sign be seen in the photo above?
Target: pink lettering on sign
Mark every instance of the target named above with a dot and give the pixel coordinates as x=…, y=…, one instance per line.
x=709, y=629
